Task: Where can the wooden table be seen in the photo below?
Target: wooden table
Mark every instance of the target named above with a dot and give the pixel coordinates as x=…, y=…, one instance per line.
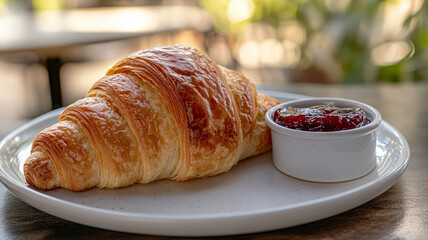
x=399, y=213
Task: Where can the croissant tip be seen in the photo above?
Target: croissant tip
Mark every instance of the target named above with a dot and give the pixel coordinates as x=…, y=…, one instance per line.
x=38, y=172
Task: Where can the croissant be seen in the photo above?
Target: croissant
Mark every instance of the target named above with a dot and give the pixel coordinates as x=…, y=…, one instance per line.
x=162, y=113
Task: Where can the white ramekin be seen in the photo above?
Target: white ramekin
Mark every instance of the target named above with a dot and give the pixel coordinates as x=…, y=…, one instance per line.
x=325, y=156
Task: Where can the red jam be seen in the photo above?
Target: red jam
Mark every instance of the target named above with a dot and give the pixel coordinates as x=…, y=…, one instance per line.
x=321, y=118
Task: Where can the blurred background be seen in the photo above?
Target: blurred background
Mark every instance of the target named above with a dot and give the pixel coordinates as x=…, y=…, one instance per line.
x=52, y=51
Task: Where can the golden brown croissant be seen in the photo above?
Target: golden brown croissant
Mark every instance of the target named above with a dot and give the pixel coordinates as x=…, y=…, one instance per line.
x=163, y=113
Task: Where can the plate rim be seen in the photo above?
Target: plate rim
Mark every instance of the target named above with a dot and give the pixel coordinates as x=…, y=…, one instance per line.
x=22, y=191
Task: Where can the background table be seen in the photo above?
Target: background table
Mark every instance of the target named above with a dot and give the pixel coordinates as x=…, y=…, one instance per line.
x=399, y=213
x=49, y=33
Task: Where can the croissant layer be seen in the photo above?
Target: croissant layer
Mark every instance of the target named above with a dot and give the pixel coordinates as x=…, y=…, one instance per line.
x=162, y=113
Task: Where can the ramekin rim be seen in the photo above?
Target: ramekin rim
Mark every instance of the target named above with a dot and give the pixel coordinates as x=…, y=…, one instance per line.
x=372, y=125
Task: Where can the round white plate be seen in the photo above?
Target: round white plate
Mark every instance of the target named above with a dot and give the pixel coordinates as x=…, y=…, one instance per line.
x=252, y=197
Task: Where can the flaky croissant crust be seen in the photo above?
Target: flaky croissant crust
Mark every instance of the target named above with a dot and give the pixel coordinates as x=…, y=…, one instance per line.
x=163, y=113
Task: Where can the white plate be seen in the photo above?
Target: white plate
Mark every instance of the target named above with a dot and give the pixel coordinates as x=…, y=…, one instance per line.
x=252, y=197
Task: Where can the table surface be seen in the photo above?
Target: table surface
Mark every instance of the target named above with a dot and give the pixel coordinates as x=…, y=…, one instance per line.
x=399, y=213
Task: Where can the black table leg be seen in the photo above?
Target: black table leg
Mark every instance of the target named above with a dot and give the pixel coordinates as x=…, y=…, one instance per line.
x=53, y=66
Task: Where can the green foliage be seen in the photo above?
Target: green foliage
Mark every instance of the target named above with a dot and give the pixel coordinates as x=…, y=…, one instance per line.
x=350, y=28
x=273, y=12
